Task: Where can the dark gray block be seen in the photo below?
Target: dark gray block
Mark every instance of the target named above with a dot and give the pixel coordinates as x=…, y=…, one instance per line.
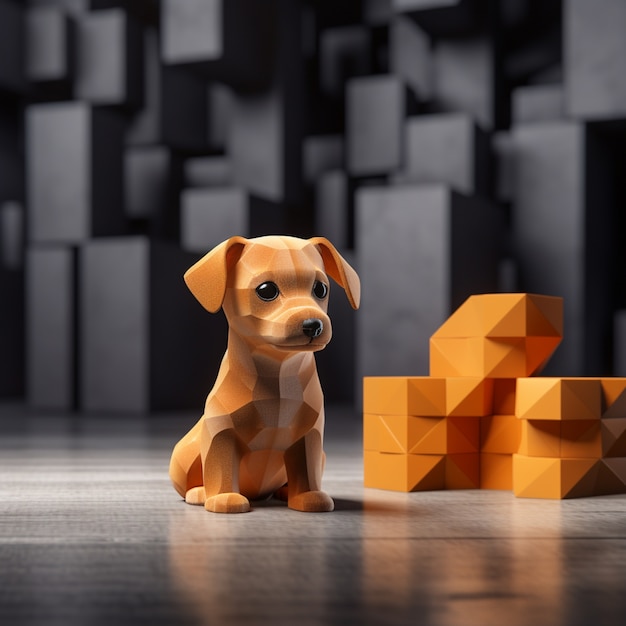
x=336, y=364
x=149, y=181
x=12, y=298
x=594, y=52
x=563, y=237
x=464, y=78
x=422, y=250
x=344, y=54
x=411, y=57
x=219, y=102
x=331, y=207
x=537, y=103
x=175, y=106
x=145, y=344
x=11, y=174
x=375, y=112
x=257, y=144
x=449, y=149
x=232, y=41
x=109, y=59
x=443, y=18
x=74, y=172
x=211, y=215
x=11, y=333
x=267, y=128
x=152, y=182
x=208, y=172
x=619, y=343
x=508, y=276
x=11, y=235
x=51, y=327
x=75, y=7
x=503, y=153
x=377, y=12
x=49, y=45
x=12, y=31
x=320, y=154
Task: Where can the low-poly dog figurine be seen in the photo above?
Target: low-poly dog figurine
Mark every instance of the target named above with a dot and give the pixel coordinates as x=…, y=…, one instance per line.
x=262, y=429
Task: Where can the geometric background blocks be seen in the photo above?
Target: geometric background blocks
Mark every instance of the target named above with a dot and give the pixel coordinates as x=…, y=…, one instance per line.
x=480, y=421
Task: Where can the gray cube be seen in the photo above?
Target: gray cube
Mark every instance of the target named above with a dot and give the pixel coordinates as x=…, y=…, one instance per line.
x=12, y=336
x=464, y=78
x=563, y=235
x=49, y=45
x=74, y=172
x=208, y=172
x=422, y=250
x=51, y=339
x=146, y=344
x=449, y=149
x=11, y=172
x=538, y=103
x=11, y=235
x=266, y=128
x=443, y=18
x=594, y=52
x=336, y=364
x=344, y=53
x=375, y=111
x=232, y=41
x=152, y=176
x=332, y=218
x=175, y=111
x=12, y=38
x=12, y=297
x=109, y=59
x=503, y=159
x=411, y=56
x=211, y=215
x=321, y=153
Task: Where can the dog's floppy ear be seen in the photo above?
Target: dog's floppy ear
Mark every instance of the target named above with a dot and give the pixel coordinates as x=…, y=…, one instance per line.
x=339, y=270
x=207, y=278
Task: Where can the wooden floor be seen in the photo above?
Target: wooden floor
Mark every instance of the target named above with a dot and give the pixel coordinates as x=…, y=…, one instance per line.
x=92, y=533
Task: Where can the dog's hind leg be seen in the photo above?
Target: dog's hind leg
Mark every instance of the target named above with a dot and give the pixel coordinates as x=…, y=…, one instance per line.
x=186, y=466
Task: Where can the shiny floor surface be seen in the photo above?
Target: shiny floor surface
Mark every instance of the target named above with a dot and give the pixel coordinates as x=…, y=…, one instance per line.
x=92, y=533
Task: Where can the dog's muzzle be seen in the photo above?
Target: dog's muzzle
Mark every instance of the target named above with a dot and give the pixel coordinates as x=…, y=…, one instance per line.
x=312, y=327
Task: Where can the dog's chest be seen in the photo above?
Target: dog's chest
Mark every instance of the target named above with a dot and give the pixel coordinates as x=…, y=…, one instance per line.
x=280, y=411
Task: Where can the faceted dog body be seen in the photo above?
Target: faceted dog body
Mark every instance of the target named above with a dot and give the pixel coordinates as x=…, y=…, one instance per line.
x=262, y=428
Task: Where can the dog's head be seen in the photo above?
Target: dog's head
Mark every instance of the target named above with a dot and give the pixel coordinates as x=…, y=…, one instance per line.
x=274, y=290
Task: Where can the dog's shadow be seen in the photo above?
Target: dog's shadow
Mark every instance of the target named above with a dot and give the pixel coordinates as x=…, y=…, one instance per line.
x=341, y=504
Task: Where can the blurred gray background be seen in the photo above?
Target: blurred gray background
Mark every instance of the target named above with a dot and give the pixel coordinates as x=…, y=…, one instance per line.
x=445, y=147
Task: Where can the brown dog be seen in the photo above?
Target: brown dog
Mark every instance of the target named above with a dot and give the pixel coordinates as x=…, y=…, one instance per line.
x=263, y=420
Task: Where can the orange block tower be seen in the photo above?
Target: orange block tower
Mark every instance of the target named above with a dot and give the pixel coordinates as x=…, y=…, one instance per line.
x=480, y=420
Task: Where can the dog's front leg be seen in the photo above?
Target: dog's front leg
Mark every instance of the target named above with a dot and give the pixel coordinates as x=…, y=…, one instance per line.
x=304, y=461
x=221, y=451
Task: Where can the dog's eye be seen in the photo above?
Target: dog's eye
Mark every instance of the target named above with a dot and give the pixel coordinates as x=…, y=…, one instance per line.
x=320, y=290
x=267, y=291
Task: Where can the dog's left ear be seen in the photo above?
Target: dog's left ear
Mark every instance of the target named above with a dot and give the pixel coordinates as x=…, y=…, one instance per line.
x=339, y=270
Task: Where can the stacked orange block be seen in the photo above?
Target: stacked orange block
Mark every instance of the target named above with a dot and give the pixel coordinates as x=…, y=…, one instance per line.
x=481, y=421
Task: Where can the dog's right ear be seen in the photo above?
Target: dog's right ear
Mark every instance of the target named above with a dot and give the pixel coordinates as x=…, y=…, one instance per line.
x=207, y=278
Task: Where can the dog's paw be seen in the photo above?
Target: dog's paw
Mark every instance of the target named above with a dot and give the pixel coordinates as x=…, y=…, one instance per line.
x=312, y=502
x=196, y=495
x=227, y=503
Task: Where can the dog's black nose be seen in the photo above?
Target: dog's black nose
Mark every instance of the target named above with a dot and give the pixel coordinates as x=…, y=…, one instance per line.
x=312, y=327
